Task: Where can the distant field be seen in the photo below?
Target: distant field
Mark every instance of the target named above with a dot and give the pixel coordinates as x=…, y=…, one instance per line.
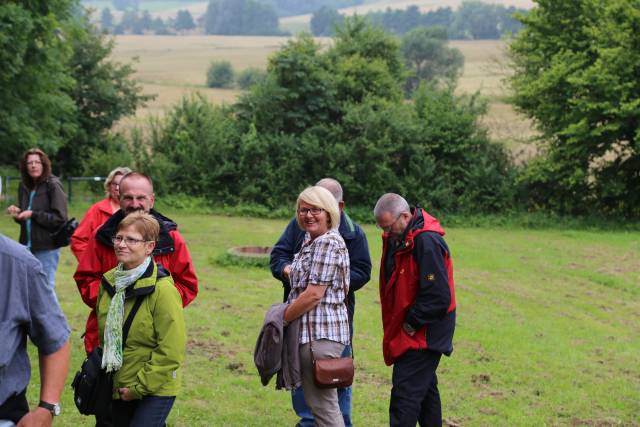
x=547, y=330
x=173, y=66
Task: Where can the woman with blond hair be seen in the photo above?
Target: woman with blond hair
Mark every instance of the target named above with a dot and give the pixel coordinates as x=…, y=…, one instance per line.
x=98, y=213
x=319, y=284
x=41, y=210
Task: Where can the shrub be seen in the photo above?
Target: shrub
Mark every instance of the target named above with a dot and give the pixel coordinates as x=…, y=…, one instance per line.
x=220, y=74
x=249, y=77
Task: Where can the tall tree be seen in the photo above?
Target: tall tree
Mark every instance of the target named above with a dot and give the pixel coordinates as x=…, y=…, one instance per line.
x=240, y=17
x=581, y=87
x=184, y=21
x=103, y=92
x=427, y=55
x=324, y=21
x=106, y=19
x=35, y=105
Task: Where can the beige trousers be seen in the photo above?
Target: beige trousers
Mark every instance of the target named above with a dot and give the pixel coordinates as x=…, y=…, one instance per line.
x=323, y=402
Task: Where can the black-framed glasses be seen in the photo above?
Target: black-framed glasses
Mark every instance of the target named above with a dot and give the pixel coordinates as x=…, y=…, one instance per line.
x=314, y=211
x=129, y=241
x=388, y=227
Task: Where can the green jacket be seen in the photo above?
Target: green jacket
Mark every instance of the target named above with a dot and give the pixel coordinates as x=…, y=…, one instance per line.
x=155, y=346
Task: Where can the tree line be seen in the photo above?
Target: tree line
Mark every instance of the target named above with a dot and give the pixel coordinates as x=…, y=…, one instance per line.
x=473, y=20
x=343, y=111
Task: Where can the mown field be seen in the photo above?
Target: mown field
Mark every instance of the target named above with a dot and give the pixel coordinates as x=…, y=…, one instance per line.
x=172, y=67
x=547, y=330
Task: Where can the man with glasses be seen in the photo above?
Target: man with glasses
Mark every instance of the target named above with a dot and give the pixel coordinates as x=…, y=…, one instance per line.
x=418, y=304
x=136, y=193
x=360, y=272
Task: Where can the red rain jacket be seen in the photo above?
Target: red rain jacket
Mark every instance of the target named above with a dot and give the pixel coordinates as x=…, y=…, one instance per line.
x=418, y=290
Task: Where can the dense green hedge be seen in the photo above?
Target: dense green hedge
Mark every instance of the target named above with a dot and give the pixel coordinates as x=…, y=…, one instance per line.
x=338, y=112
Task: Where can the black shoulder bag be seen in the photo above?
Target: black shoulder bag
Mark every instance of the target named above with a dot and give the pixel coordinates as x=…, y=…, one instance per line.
x=62, y=235
x=92, y=385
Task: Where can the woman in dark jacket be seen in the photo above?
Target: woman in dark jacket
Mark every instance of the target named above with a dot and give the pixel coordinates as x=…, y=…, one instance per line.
x=41, y=210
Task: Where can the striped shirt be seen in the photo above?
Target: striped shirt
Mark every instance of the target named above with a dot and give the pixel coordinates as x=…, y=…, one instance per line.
x=323, y=261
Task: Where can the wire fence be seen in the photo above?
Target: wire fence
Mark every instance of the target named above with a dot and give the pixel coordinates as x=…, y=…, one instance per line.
x=87, y=188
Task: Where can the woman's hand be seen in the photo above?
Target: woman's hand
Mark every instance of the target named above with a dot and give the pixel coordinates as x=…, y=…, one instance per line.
x=308, y=299
x=13, y=210
x=24, y=215
x=125, y=394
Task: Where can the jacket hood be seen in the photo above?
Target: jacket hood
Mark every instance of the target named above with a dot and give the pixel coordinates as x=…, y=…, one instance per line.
x=422, y=222
x=347, y=228
x=165, y=241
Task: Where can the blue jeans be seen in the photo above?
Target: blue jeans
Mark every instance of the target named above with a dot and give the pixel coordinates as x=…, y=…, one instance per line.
x=49, y=260
x=150, y=411
x=304, y=412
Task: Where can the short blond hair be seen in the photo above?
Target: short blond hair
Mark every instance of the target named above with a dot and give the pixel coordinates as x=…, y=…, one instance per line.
x=322, y=198
x=144, y=224
x=112, y=175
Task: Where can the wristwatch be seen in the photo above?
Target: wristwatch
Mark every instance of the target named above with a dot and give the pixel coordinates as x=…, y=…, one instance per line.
x=54, y=408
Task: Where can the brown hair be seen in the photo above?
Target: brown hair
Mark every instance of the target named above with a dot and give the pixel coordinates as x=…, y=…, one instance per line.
x=24, y=171
x=144, y=224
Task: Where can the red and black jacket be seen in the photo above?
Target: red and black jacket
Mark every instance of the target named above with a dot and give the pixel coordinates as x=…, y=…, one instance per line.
x=417, y=287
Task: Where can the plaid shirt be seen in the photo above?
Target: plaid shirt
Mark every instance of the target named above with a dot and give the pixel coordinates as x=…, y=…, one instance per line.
x=323, y=261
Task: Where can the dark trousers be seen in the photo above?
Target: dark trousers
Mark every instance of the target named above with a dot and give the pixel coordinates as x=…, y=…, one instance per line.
x=414, y=396
x=15, y=407
x=150, y=411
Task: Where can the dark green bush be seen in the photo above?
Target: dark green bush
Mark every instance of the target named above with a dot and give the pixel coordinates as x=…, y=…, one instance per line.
x=220, y=74
x=249, y=77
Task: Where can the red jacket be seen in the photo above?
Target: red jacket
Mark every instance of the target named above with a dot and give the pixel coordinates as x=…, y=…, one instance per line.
x=417, y=287
x=171, y=252
x=95, y=216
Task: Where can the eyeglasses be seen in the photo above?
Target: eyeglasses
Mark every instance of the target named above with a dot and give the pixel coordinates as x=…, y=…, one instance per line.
x=34, y=162
x=314, y=211
x=129, y=241
x=388, y=227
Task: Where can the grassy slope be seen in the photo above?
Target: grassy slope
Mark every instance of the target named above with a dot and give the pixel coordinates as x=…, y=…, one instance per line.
x=547, y=330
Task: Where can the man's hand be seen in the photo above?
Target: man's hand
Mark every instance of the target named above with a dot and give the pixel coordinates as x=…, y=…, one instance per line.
x=39, y=417
x=286, y=271
x=24, y=215
x=125, y=394
x=408, y=329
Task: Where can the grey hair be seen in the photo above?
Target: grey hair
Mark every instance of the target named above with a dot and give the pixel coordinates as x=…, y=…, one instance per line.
x=333, y=186
x=117, y=171
x=391, y=203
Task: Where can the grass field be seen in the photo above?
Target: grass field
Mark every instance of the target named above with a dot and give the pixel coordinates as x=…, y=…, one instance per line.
x=547, y=330
x=174, y=66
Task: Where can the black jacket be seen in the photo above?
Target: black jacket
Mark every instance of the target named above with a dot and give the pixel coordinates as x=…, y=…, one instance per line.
x=165, y=242
x=49, y=207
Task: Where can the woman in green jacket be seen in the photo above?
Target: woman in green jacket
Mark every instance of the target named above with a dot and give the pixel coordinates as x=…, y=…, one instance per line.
x=147, y=367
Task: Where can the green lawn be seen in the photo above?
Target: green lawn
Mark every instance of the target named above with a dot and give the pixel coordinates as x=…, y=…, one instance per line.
x=547, y=330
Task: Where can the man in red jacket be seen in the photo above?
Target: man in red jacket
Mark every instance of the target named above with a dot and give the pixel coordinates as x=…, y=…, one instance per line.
x=418, y=308
x=136, y=193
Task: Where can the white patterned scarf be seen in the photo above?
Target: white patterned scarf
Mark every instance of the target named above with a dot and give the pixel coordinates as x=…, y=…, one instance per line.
x=112, y=356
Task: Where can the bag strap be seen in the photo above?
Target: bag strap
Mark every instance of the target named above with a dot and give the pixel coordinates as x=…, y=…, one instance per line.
x=129, y=321
x=313, y=359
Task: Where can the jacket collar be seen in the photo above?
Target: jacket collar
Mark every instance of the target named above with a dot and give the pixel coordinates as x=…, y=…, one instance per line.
x=165, y=241
x=145, y=285
x=420, y=222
